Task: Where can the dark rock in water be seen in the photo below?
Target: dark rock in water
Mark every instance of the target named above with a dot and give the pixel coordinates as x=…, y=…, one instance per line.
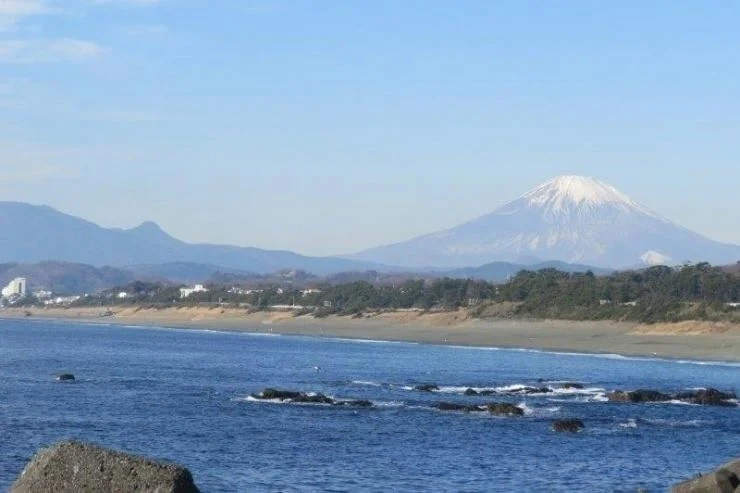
x=568, y=425
x=355, y=403
x=479, y=392
x=572, y=385
x=65, y=377
x=277, y=394
x=726, y=479
x=305, y=398
x=74, y=467
x=504, y=409
x=707, y=397
x=638, y=396
x=287, y=395
x=427, y=387
x=452, y=406
x=530, y=390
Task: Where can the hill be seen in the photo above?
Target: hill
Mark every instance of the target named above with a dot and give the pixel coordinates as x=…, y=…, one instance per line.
x=39, y=233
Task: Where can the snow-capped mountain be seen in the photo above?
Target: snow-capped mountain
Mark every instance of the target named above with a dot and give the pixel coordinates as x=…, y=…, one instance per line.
x=570, y=218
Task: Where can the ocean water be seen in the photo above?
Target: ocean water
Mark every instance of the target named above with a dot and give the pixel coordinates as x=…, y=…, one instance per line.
x=183, y=395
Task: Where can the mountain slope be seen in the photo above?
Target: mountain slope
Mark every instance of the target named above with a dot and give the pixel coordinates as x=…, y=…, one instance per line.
x=571, y=219
x=65, y=277
x=37, y=233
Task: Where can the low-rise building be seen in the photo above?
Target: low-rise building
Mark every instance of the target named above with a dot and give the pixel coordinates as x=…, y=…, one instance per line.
x=198, y=288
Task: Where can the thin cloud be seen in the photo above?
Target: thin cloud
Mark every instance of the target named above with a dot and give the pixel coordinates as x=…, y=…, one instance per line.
x=34, y=172
x=126, y=2
x=12, y=11
x=143, y=30
x=48, y=50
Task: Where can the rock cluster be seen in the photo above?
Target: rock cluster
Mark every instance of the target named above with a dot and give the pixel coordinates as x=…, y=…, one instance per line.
x=496, y=408
x=306, y=398
x=74, y=467
x=708, y=397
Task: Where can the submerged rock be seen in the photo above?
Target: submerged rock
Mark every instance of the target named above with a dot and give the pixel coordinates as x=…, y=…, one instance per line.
x=427, y=387
x=568, y=425
x=497, y=408
x=306, y=398
x=640, y=395
x=74, y=467
x=726, y=479
x=453, y=406
x=355, y=403
x=708, y=397
x=504, y=409
x=65, y=377
x=572, y=385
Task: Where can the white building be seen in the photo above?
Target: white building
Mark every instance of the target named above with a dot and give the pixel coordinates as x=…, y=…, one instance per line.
x=198, y=288
x=16, y=288
x=122, y=295
x=306, y=292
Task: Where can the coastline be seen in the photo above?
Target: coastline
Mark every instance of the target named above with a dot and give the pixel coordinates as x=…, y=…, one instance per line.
x=705, y=341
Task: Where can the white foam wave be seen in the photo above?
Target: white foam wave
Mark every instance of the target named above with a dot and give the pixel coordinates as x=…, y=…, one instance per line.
x=366, y=383
x=631, y=423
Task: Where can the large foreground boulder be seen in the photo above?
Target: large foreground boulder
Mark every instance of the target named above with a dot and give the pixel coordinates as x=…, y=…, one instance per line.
x=74, y=467
x=726, y=479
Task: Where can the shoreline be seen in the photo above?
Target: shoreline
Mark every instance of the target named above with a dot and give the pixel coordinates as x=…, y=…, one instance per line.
x=700, y=341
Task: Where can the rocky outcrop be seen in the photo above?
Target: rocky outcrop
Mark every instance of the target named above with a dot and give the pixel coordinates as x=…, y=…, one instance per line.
x=638, y=396
x=706, y=397
x=427, y=387
x=453, y=406
x=307, y=398
x=496, y=408
x=504, y=409
x=726, y=479
x=572, y=385
x=568, y=425
x=74, y=467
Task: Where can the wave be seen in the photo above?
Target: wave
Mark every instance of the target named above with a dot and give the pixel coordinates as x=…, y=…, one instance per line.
x=366, y=383
x=631, y=423
x=673, y=423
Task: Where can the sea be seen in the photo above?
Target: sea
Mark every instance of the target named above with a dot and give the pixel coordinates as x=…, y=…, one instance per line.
x=184, y=395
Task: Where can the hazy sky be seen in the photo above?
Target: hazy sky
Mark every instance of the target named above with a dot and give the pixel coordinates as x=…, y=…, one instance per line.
x=329, y=126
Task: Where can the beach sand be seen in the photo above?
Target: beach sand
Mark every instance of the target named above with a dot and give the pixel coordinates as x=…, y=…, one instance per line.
x=685, y=340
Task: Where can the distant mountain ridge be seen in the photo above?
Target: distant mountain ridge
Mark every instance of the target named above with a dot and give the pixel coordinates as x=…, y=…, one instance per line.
x=572, y=219
x=33, y=233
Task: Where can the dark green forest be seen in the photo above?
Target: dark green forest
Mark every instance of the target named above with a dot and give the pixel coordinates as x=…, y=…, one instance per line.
x=656, y=294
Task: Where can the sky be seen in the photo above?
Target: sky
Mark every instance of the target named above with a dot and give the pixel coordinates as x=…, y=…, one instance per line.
x=326, y=127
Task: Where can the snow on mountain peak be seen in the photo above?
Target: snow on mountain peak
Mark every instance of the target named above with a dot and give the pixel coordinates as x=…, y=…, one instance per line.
x=565, y=193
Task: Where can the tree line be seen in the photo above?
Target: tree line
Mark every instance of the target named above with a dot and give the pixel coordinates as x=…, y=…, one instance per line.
x=654, y=294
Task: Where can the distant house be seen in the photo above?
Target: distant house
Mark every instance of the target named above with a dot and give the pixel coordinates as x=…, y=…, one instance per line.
x=42, y=294
x=306, y=292
x=198, y=288
x=122, y=295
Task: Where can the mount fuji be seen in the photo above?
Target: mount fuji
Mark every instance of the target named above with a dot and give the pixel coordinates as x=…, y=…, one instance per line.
x=572, y=219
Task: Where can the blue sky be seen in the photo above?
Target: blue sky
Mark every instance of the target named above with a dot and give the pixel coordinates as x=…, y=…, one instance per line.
x=327, y=127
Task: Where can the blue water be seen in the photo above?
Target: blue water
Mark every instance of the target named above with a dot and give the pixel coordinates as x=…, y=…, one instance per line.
x=182, y=395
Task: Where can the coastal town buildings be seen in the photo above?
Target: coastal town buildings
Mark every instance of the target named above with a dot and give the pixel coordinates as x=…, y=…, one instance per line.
x=198, y=288
x=15, y=289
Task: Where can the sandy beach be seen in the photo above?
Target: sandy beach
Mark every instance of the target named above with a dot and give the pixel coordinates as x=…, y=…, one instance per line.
x=685, y=340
